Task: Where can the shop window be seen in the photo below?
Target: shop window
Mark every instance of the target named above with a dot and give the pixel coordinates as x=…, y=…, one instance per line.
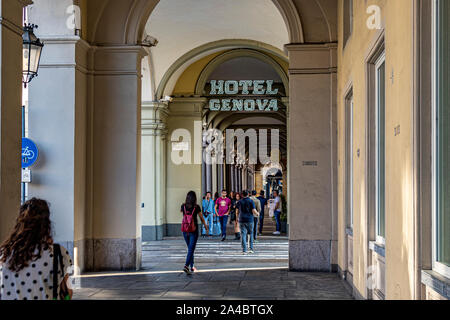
x=441, y=134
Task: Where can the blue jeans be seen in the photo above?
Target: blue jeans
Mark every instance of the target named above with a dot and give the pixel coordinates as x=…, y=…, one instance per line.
x=191, y=241
x=246, y=229
x=255, y=227
x=261, y=221
x=209, y=220
x=278, y=220
x=223, y=224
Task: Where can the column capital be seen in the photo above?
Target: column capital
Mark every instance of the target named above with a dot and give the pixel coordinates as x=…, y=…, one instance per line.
x=162, y=106
x=312, y=58
x=117, y=60
x=153, y=120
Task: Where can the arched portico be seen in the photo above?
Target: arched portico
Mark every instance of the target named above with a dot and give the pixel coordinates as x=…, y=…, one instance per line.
x=105, y=99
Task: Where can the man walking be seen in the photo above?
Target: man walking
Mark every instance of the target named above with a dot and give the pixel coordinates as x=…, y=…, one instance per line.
x=277, y=212
x=256, y=217
x=247, y=211
x=263, y=201
x=208, y=212
x=223, y=205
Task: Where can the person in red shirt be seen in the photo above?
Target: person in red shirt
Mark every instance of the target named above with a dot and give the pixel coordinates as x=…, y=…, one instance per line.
x=223, y=205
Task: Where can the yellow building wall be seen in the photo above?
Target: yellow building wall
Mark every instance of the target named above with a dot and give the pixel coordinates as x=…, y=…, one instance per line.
x=397, y=21
x=184, y=177
x=188, y=79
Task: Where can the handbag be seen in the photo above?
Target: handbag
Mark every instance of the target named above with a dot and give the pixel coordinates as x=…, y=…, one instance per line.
x=58, y=262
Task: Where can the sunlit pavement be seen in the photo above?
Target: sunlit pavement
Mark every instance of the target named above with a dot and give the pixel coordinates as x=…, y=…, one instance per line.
x=224, y=273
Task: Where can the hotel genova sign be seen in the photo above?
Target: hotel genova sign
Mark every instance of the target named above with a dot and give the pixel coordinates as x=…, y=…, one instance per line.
x=243, y=96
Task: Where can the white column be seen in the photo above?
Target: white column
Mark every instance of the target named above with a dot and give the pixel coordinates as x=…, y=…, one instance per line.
x=220, y=177
x=209, y=178
x=154, y=132
x=239, y=178
x=214, y=178
x=10, y=111
x=57, y=123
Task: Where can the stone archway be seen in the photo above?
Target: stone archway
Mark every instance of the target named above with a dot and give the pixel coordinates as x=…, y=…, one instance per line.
x=132, y=15
x=109, y=95
x=172, y=74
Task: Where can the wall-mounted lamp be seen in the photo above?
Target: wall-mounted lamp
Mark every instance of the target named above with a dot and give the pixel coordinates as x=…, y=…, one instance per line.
x=32, y=49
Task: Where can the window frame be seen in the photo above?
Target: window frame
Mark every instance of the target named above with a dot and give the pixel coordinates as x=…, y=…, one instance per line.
x=348, y=20
x=437, y=266
x=379, y=62
x=349, y=161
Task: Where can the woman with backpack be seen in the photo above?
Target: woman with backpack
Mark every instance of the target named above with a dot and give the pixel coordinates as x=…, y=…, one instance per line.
x=191, y=211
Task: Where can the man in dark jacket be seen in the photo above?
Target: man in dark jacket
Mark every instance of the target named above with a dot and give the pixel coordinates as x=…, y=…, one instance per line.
x=247, y=211
x=263, y=201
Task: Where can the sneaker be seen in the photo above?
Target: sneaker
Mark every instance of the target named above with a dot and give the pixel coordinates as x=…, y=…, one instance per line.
x=194, y=270
x=276, y=233
x=223, y=239
x=187, y=271
x=251, y=252
x=244, y=253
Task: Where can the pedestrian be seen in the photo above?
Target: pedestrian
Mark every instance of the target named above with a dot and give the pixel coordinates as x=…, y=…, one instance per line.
x=208, y=212
x=246, y=212
x=277, y=211
x=256, y=217
x=223, y=207
x=263, y=201
x=234, y=214
x=191, y=211
x=27, y=258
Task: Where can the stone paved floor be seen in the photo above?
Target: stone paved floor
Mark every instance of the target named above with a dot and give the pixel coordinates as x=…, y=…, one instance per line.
x=224, y=274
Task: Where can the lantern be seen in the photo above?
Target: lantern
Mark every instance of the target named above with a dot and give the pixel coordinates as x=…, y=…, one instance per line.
x=32, y=49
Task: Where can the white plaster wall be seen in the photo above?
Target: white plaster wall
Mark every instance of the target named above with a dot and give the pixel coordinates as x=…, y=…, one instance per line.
x=204, y=21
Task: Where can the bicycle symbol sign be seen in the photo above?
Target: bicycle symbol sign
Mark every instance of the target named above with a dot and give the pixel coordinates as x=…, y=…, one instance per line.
x=30, y=153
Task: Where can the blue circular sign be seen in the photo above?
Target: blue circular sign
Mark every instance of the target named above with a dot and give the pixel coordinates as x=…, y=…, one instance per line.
x=30, y=153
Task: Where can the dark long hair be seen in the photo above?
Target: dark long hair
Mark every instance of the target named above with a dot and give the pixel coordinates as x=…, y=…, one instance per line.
x=191, y=200
x=32, y=231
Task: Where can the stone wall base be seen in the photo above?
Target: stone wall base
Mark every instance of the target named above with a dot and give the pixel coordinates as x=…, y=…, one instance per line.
x=109, y=254
x=310, y=255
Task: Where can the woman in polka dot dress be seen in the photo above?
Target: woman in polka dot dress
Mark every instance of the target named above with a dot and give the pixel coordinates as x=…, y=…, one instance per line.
x=26, y=257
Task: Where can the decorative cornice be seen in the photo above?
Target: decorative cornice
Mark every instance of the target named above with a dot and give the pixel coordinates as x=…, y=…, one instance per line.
x=311, y=46
x=313, y=71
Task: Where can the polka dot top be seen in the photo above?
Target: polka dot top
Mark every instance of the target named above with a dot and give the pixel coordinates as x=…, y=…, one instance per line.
x=34, y=282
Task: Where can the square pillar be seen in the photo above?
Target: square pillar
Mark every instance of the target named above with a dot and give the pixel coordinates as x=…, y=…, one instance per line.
x=312, y=163
x=153, y=192
x=10, y=111
x=114, y=154
x=57, y=123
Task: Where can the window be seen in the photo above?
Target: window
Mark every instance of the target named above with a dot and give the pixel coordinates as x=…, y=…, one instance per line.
x=380, y=148
x=441, y=134
x=348, y=20
x=349, y=159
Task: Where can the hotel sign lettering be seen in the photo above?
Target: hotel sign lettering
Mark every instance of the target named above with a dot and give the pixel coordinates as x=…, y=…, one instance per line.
x=243, y=95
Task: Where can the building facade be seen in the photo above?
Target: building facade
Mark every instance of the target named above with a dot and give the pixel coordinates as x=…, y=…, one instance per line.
x=126, y=88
